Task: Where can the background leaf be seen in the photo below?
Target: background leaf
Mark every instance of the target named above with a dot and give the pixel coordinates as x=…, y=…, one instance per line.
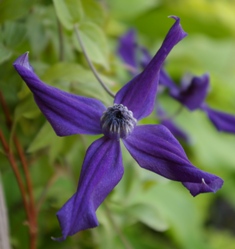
x=95, y=43
x=69, y=12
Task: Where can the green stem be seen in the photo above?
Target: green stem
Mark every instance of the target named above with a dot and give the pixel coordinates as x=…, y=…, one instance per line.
x=90, y=63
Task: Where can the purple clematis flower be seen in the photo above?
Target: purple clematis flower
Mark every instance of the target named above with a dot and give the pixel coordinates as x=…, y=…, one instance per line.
x=135, y=57
x=221, y=120
x=192, y=94
x=127, y=50
x=152, y=146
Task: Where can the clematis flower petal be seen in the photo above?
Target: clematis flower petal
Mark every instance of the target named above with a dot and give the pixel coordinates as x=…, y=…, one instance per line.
x=192, y=92
x=156, y=149
x=101, y=171
x=221, y=120
x=204, y=187
x=67, y=113
x=139, y=94
x=127, y=48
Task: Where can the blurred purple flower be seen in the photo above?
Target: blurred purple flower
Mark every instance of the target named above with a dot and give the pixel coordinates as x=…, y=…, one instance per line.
x=221, y=120
x=152, y=146
x=127, y=50
x=191, y=93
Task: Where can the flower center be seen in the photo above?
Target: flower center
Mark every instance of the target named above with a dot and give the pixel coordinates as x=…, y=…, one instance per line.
x=117, y=121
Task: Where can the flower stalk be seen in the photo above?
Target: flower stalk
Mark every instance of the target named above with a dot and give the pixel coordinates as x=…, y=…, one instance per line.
x=76, y=29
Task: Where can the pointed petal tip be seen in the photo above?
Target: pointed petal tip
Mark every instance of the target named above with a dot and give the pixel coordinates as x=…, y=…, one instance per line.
x=101, y=171
x=144, y=86
x=174, y=17
x=203, y=187
x=23, y=60
x=177, y=22
x=67, y=113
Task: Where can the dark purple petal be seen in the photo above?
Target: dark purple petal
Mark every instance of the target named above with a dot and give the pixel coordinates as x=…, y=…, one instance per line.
x=193, y=93
x=67, y=113
x=195, y=188
x=156, y=149
x=139, y=94
x=127, y=49
x=101, y=171
x=221, y=120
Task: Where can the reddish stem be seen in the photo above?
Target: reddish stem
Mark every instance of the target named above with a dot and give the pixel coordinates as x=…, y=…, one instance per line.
x=29, y=207
x=16, y=172
x=33, y=211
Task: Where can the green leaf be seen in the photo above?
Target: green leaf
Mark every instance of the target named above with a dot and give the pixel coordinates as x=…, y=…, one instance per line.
x=75, y=10
x=69, y=12
x=12, y=34
x=71, y=76
x=27, y=108
x=11, y=9
x=149, y=216
x=178, y=208
x=36, y=31
x=63, y=14
x=95, y=43
x=66, y=72
x=43, y=139
x=93, y=12
x=61, y=190
x=5, y=53
x=46, y=137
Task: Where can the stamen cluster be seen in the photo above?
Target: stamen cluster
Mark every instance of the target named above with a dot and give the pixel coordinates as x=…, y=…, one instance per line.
x=117, y=121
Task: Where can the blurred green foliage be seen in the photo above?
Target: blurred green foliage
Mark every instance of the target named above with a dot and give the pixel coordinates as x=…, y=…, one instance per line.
x=149, y=211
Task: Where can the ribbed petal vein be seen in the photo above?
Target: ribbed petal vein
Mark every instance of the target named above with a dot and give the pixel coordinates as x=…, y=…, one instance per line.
x=67, y=113
x=101, y=171
x=139, y=94
x=156, y=149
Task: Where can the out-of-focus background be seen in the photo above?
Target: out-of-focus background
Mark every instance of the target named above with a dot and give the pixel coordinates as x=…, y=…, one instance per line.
x=144, y=210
